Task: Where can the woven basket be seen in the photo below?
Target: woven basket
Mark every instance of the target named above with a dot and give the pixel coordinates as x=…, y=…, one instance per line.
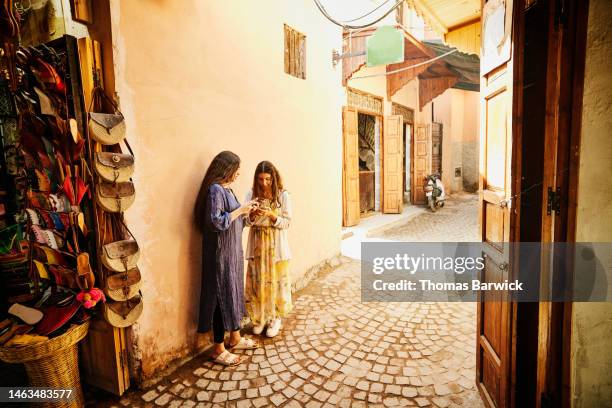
x=53, y=363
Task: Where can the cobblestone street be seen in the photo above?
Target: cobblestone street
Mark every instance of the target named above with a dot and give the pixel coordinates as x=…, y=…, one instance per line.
x=457, y=221
x=336, y=351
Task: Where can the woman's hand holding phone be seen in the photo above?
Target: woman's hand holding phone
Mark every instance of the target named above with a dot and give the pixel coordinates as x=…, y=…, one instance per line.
x=249, y=206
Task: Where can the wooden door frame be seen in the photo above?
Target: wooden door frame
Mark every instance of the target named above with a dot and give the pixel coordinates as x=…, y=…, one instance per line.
x=575, y=132
x=563, y=132
x=565, y=84
x=380, y=118
x=411, y=123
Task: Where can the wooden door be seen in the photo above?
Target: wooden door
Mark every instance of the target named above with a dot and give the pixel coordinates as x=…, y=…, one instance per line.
x=436, y=148
x=392, y=151
x=350, y=167
x=104, y=358
x=422, y=163
x=566, y=38
x=499, y=91
x=408, y=170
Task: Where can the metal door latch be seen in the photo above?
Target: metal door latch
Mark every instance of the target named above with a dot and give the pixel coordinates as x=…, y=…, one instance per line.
x=507, y=203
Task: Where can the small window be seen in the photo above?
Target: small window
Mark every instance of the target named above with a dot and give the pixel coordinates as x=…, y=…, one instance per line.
x=295, y=53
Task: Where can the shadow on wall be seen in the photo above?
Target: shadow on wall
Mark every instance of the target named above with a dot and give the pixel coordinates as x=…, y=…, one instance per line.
x=470, y=187
x=194, y=278
x=155, y=359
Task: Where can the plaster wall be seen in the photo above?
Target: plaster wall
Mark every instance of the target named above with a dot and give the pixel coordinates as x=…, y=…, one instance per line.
x=375, y=84
x=591, y=343
x=457, y=110
x=198, y=77
x=445, y=112
x=470, y=148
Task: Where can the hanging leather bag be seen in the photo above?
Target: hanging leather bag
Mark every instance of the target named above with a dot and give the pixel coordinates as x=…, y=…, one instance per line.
x=123, y=283
x=115, y=197
x=123, y=314
x=114, y=167
x=106, y=128
x=120, y=256
x=122, y=286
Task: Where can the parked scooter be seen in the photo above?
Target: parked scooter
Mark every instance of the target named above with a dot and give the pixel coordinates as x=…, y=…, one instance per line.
x=434, y=190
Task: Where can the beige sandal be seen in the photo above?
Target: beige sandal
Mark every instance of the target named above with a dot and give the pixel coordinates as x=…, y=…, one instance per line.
x=245, y=344
x=227, y=359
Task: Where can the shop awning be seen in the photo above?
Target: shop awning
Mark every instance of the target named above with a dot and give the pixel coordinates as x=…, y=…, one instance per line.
x=457, y=69
x=466, y=66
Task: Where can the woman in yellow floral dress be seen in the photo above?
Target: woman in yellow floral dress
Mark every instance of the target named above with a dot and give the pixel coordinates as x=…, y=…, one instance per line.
x=268, y=287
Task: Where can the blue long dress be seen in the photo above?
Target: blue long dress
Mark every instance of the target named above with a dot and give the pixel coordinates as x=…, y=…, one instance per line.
x=223, y=261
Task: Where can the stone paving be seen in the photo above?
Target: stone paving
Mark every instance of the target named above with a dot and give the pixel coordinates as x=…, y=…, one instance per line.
x=336, y=351
x=457, y=221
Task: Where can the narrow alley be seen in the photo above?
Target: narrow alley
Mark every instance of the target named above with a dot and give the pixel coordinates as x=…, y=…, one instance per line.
x=338, y=351
x=317, y=203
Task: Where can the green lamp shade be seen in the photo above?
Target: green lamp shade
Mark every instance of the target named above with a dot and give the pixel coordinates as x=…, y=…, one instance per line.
x=386, y=46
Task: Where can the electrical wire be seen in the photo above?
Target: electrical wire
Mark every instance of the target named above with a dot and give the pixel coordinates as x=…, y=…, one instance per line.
x=344, y=25
x=366, y=14
x=429, y=61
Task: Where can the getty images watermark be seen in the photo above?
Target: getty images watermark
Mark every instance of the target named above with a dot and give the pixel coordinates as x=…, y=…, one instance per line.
x=469, y=271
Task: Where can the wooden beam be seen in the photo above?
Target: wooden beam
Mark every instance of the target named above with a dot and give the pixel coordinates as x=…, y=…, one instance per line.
x=422, y=9
x=464, y=24
x=397, y=80
x=351, y=65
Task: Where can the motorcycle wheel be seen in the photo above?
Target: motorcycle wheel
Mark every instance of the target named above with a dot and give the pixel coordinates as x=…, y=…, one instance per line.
x=432, y=203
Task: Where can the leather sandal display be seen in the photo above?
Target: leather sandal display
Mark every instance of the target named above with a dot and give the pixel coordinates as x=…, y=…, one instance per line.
x=27, y=314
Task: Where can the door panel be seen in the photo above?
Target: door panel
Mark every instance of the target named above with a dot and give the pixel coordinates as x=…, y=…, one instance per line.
x=493, y=328
x=497, y=135
x=490, y=378
x=498, y=106
x=494, y=227
x=392, y=164
x=408, y=159
x=436, y=148
x=103, y=357
x=422, y=163
x=350, y=168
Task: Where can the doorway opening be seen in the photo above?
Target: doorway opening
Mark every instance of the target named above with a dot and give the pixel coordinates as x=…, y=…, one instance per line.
x=369, y=164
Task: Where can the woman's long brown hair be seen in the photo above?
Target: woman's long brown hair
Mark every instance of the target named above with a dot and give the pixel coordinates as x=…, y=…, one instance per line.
x=221, y=169
x=277, y=182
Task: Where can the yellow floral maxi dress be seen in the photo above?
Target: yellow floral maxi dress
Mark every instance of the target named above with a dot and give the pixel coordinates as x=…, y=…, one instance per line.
x=268, y=287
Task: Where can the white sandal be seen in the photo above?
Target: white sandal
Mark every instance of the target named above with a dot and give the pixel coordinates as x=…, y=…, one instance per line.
x=245, y=344
x=227, y=359
x=274, y=328
x=258, y=329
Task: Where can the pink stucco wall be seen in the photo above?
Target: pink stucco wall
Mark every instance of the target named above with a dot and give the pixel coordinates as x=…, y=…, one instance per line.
x=198, y=77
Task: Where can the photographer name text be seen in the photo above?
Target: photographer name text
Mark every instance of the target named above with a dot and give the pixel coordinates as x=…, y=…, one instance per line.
x=428, y=285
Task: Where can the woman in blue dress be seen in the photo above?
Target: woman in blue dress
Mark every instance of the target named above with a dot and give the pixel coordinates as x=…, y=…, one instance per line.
x=219, y=216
